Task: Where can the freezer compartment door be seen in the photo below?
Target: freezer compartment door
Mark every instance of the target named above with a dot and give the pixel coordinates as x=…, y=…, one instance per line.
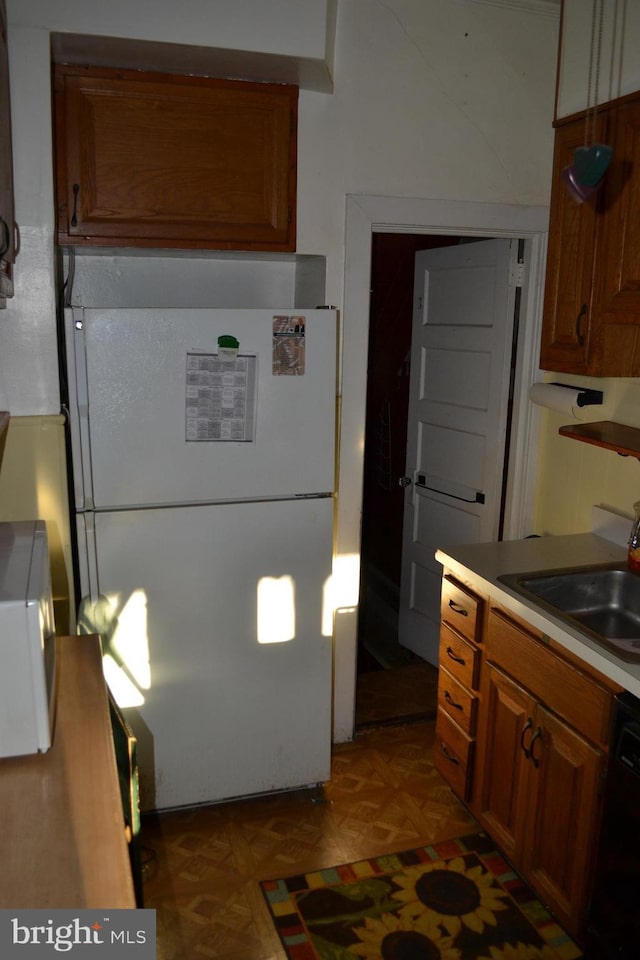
x=212, y=624
x=137, y=376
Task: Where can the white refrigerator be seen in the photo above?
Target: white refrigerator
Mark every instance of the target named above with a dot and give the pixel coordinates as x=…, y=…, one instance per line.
x=204, y=479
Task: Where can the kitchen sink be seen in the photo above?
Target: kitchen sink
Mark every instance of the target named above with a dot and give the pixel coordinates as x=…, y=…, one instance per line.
x=603, y=601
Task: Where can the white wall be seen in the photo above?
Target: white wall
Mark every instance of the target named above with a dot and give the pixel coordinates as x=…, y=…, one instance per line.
x=618, y=44
x=28, y=353
x=446, y=99
x=279, y=27
x=442, y=99
x=433, y=98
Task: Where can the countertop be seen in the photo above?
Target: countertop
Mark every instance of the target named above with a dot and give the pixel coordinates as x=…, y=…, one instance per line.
x=62, y=842
x=480, y=565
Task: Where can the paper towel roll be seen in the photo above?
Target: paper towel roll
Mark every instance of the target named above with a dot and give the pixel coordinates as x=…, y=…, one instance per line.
x=555, y=397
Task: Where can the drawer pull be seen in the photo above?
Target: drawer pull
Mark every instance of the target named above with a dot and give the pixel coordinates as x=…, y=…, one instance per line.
x=527, y=726
x=458, y=609
x=452, y=702
x=443, y=747
x=537, y=736
x=451, y=653
x=579, y=333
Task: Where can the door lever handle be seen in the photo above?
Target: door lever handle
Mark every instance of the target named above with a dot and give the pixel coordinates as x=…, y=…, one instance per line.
x=422, y=483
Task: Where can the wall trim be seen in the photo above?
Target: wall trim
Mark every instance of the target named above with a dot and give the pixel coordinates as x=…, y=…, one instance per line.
x=546, y=8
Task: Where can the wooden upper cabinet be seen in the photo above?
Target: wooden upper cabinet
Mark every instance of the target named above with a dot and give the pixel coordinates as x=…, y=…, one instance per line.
x=591, y=322
x=159, y=160
x=618, y=286
x=568, y=334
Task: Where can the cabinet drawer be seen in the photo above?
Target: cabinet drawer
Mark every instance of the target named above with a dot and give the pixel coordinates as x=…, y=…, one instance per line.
x=456, y=701
x=558, y=684
x=459, y=657
x=453, y=755
x=460, y=608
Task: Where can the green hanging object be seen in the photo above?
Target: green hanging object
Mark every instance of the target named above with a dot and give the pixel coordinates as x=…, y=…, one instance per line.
x=228, y=347
x=590, y=163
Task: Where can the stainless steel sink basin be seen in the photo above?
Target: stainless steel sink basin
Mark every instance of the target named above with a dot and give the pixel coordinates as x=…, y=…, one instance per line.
x=602, y=601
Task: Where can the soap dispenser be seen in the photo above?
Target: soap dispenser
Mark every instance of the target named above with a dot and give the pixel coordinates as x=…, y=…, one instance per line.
x=633, y=554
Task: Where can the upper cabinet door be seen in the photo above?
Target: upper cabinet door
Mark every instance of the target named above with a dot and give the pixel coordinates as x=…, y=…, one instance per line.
x=568, y=332
x=591, y=322
x=618, y=276
x=157, y=160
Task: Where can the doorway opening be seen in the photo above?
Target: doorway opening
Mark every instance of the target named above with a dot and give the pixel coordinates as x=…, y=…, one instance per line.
x=366, y=215
x=393, y=683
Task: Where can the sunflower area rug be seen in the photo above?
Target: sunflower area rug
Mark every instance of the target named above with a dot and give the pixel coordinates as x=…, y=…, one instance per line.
x=456, y=900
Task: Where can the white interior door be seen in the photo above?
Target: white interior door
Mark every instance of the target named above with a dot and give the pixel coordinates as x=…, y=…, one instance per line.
x=464, y=299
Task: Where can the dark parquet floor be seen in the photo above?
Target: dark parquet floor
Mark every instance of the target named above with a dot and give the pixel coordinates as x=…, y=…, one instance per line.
x=204, y=865
x=404, y=693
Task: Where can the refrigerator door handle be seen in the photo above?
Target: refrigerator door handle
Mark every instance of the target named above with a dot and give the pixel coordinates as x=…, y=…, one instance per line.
x=87, y=556
x=79, y=397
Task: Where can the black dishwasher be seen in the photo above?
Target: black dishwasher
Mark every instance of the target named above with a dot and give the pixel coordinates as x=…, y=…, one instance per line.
x=614, y=917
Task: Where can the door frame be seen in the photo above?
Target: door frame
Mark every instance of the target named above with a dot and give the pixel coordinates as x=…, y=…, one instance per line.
x=365, y=215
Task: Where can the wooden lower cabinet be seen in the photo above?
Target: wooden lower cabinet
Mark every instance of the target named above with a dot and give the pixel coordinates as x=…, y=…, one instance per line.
x=453, y=755
x=563, y=816
x=539, y=795
x=522, y=735
x=459, y=673
x=502, y=797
